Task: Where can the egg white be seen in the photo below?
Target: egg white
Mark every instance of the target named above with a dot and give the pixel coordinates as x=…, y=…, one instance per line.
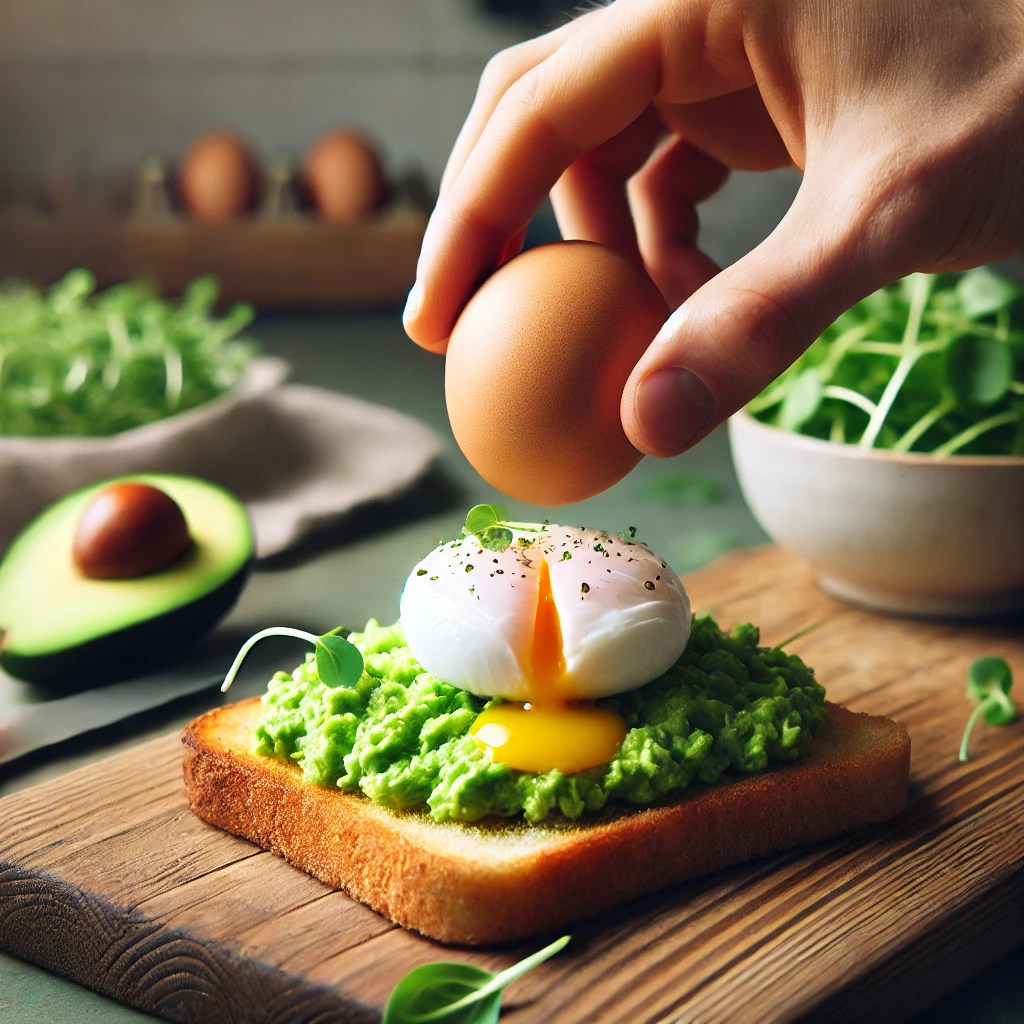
x=468, y=613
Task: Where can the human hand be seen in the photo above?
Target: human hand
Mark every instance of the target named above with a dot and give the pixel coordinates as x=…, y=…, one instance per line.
x=906, y=117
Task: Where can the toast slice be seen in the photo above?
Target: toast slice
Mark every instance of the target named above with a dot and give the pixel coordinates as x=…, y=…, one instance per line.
x=487, y=883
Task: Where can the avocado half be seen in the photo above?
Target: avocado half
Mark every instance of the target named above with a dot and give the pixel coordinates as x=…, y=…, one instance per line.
x=61, y=629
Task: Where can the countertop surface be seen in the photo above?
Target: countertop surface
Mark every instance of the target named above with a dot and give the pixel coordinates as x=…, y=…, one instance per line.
x=689, y=509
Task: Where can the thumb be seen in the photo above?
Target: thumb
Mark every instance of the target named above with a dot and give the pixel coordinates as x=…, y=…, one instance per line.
x=739, y=331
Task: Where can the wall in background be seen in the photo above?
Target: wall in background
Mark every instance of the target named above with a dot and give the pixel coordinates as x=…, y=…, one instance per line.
x=93, y=86
x=96, y=85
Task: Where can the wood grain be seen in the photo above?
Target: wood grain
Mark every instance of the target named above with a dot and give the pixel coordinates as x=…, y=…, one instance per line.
x=106, y=877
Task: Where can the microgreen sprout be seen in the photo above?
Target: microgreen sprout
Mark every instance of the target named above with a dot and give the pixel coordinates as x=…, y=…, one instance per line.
x=932, y=363
x=77, y=362
x=338, y=662
x=455, y=993
x=989, y=681
x=492, y=527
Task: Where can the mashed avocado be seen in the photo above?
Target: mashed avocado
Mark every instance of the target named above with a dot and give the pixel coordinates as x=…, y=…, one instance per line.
x=399, y=735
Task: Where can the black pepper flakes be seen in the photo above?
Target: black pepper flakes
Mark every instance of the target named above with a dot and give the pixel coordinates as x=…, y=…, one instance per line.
x=585, y=588
x=648, y=584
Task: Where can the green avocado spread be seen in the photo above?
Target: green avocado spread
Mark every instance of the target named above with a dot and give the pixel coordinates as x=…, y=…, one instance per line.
x=400, y=735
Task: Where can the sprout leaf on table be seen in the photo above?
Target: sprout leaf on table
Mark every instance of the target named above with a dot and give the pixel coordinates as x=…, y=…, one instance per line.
x=989, y=681
x=454, y=993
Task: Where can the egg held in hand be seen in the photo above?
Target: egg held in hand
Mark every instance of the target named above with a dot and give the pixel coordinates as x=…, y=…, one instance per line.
x=560, y=617
x=536, y=365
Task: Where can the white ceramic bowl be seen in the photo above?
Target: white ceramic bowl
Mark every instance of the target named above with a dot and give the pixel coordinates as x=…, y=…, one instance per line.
x=911, y=534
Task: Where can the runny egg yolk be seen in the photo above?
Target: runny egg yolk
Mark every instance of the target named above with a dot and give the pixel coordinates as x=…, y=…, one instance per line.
x=549, y=732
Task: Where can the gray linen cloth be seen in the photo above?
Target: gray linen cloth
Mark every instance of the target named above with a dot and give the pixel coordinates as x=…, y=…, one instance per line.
x=299, y=457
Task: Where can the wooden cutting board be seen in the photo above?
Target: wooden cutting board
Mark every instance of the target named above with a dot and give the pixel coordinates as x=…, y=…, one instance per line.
x=107, y=878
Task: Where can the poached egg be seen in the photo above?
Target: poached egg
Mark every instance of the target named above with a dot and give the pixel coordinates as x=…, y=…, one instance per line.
x=558, y=619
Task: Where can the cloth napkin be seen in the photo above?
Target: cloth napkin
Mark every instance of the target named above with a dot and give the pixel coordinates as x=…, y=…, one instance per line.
x=299, y=457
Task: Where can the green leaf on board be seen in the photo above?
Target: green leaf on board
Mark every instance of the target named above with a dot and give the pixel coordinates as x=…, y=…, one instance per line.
x=454, y=993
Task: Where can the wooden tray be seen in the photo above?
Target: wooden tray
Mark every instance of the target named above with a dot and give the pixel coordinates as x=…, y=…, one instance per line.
x=271, y=263
x=107, y=878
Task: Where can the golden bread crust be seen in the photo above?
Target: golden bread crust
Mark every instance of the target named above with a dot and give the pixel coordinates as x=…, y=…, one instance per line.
x=472, y=884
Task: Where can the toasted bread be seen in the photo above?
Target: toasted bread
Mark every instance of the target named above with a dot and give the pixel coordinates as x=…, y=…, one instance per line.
x=493, y=882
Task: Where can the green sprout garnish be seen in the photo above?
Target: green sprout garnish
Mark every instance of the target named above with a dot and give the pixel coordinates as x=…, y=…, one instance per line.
x=932, y=363
x=76, y=362
x=988, y=681
x=454, y=993
x=338, y=662
x=492, y=527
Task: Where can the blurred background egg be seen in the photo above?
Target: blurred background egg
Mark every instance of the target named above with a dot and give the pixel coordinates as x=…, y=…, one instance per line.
x=344, y=177
x=536, y=365
x=218, y=180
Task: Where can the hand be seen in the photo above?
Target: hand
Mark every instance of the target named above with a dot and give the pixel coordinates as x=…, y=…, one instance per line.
x=906, y=117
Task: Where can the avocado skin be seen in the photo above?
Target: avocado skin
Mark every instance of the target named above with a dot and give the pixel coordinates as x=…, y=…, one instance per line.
x=126, y=652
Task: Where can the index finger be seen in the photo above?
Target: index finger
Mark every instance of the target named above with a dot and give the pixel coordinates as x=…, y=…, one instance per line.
x=586, y=92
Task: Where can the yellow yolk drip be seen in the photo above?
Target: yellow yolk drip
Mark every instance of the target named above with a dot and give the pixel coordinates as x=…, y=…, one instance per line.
x=547, y=664
x=549, y=732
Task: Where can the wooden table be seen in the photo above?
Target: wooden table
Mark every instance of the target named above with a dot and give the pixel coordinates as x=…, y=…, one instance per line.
x=106, y=877
x=368, y=356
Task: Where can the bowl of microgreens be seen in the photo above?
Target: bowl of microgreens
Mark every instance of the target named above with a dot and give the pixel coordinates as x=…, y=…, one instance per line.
x=94, y=385
x=891, y=454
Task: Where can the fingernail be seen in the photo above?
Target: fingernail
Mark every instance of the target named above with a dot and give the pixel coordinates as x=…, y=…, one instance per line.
x=672, y=406
x=413, y=303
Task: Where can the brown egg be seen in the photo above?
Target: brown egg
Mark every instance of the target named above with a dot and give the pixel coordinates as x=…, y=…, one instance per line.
x=129, y=530
x=218, y=179
x=536, y=365
x=344, y=176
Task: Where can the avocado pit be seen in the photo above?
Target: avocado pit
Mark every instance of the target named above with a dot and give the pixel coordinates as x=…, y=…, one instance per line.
x=130, y=530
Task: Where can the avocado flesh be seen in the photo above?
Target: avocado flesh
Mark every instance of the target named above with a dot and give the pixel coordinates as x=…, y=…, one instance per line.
x=59, y=624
